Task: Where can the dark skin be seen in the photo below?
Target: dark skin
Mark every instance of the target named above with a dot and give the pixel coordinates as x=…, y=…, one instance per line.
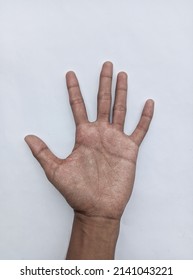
x=97, y=178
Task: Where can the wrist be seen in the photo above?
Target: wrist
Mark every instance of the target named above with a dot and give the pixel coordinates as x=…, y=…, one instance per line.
x=93, y=237
x=97, y=222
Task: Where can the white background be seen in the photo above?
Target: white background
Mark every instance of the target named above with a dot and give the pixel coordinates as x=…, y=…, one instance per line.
x=40, y=40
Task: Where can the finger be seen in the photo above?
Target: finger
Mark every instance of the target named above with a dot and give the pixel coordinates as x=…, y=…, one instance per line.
x=143, y=125
x=42, y=153
x=76, y=99
x=120, y=108
x=104, y=93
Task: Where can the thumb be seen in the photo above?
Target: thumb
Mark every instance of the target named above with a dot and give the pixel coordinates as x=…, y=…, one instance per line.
x=44, y=156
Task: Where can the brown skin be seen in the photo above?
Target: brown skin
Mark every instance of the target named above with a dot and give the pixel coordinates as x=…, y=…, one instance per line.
x=97, y=178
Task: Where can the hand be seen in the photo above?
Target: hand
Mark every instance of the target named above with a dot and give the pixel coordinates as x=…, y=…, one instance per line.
x=97, y=178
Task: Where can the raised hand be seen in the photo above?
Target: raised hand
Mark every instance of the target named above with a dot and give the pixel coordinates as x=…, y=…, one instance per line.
x=97, y=178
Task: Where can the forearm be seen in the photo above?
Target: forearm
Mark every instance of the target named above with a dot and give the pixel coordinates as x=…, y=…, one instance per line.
x=93, y=238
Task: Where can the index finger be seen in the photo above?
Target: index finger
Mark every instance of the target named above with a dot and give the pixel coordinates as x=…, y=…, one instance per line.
x=76, y=99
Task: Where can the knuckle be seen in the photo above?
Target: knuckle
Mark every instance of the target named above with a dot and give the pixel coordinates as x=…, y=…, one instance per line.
x=106, y=76
x=75, y=101
x=123, y=89
x=104, y=96
x=39, y=153
x=104, y=114
x=142, y=128
x=71, y=87
x=147, y=116
x=120, y=107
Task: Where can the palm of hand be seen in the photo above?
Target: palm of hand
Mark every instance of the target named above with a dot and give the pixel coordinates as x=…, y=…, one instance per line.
x=97, y=178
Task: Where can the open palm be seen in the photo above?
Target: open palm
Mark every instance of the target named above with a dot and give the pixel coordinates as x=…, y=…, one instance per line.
x=97, y=178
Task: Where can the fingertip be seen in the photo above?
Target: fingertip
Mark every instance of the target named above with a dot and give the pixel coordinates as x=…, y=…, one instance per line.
x=152, y=105
x=70, y=74
x=108, y=63
x=107, y=70
x=29, y=135
x=34, y=143
x=150, y=102
x=123, y=75
x=27, y=138
x=149, y=107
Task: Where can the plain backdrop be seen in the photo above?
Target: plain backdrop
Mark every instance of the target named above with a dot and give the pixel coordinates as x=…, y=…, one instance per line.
x=40, y=40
